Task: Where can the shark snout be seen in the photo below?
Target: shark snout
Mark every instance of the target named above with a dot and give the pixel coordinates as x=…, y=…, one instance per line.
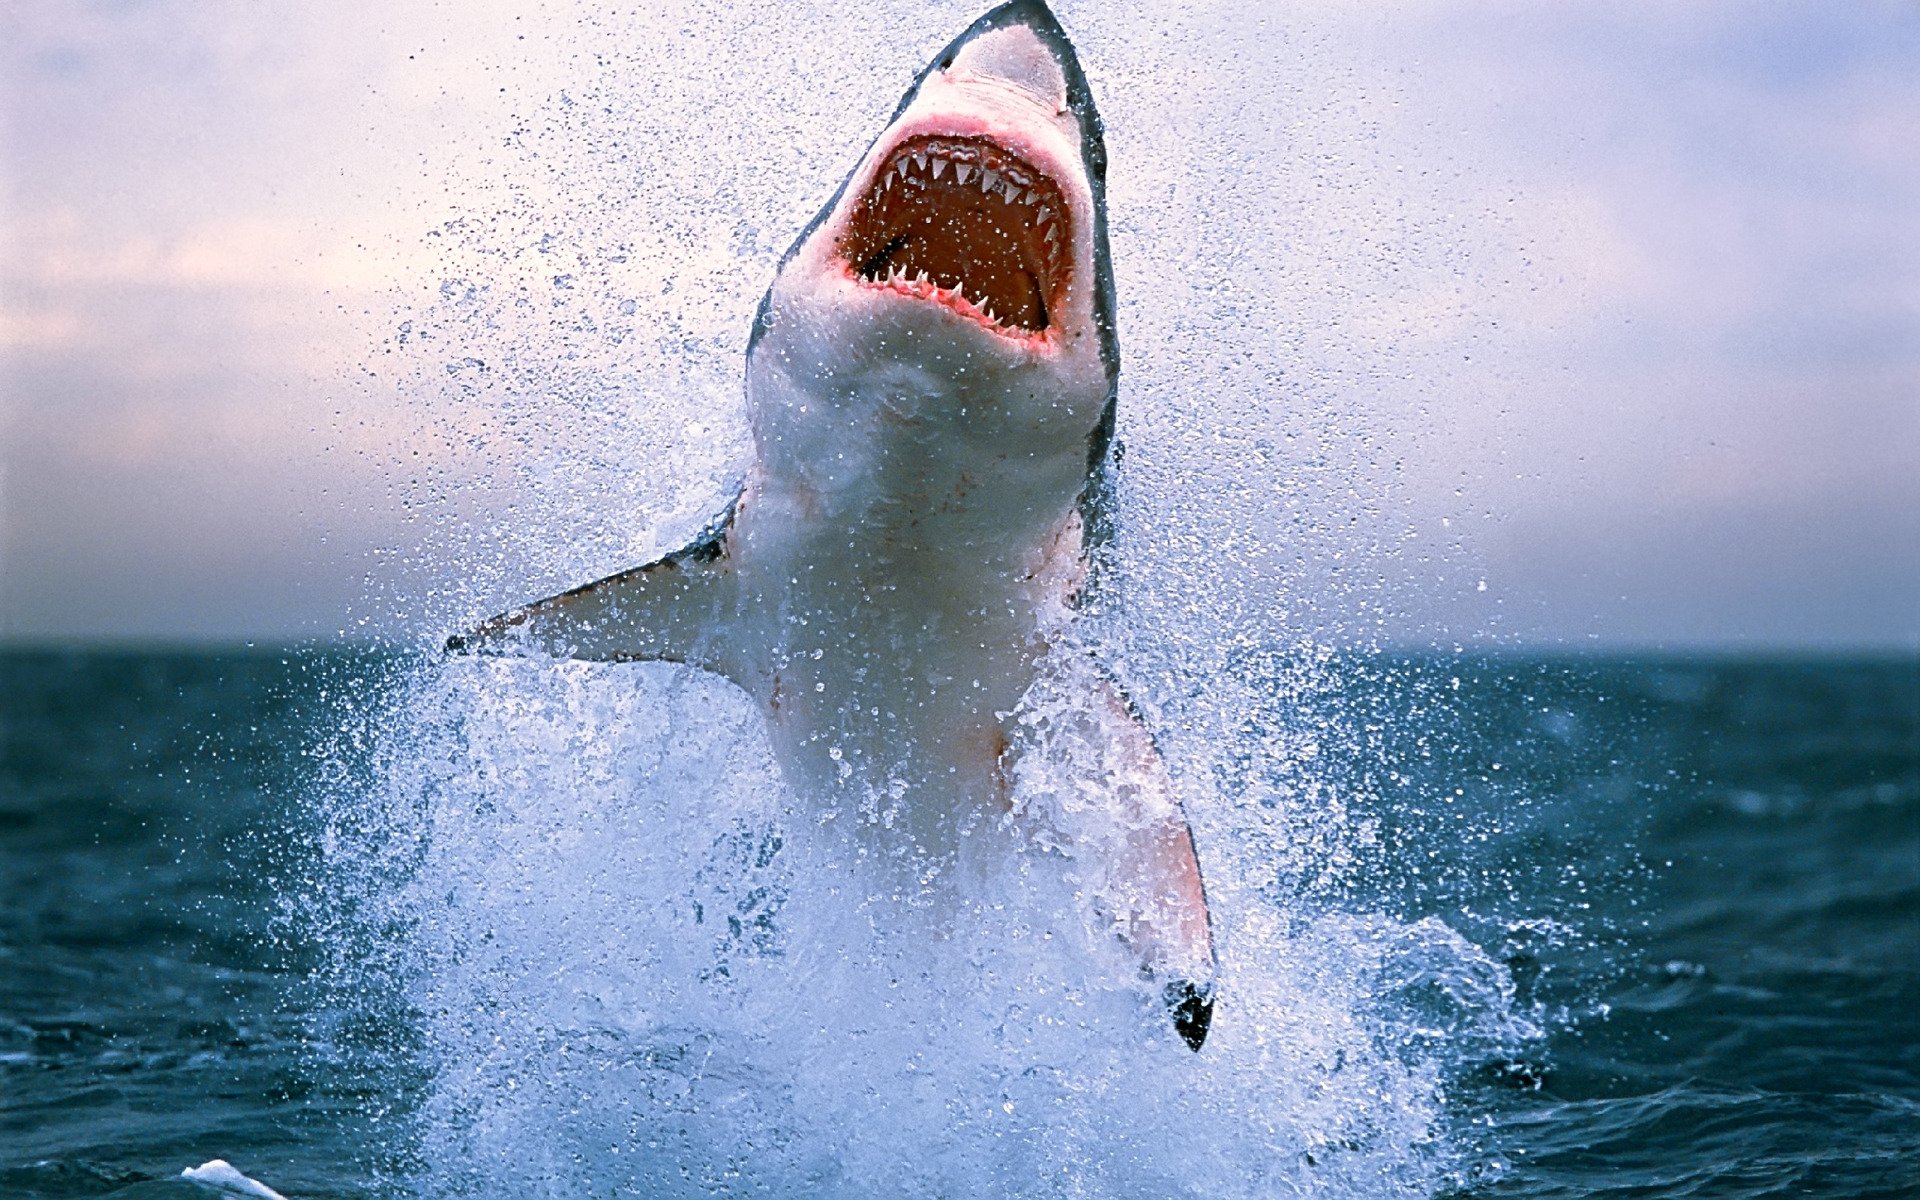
x=1017, y=55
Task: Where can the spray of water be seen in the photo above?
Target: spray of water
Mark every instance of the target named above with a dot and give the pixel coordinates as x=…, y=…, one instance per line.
x=622, y=958
x=635, y=965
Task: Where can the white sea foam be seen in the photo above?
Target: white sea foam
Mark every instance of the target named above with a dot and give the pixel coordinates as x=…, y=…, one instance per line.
x=220, y=1175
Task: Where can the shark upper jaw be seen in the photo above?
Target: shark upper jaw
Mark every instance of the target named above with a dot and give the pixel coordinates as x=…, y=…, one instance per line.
x=976, y=200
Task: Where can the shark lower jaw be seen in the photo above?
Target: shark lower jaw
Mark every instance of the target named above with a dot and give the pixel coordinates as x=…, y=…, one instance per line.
x=965, y=223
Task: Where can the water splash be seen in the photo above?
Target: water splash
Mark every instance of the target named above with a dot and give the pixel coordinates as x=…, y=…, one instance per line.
x=625, y=960
x=631, y=962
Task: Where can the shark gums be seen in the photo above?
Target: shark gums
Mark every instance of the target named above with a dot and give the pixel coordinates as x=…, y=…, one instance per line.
x=931, y=383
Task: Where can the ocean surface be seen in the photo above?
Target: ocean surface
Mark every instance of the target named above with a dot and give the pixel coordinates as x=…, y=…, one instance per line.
x=369, y=925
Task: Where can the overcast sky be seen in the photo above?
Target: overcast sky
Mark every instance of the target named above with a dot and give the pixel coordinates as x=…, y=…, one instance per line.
x=1589, y=325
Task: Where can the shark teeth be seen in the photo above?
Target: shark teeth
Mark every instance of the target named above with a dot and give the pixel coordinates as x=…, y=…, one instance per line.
x=928, y=162
x=954, y=295
x=937, y=236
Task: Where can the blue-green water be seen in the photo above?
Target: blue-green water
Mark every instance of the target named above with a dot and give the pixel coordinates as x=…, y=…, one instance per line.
x=1599, y=928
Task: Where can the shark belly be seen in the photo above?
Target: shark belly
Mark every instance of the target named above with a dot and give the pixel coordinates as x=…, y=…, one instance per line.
x=903, y=536
x=891, y=674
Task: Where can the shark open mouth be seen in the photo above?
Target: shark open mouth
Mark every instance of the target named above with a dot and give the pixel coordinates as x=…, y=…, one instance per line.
x=967, y=223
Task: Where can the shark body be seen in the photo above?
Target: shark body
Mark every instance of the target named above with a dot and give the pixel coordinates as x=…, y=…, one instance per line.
x=931, y=383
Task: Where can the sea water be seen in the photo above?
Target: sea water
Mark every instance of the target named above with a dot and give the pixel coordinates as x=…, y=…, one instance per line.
x=370, y=925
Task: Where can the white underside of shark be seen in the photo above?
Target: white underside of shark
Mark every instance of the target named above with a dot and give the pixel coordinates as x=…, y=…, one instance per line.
x=930, y=384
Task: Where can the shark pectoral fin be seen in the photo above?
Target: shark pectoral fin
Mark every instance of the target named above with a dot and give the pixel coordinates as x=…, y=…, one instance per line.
x=1167, y=921
x=1153, y=889
x=673, y=610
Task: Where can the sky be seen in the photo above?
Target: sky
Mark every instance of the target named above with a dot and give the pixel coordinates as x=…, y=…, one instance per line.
x=1580, y=326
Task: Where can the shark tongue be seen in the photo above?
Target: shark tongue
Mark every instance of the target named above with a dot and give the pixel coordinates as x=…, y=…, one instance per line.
x=974, y=219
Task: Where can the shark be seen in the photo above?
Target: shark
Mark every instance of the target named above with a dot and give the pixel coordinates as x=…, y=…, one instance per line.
x=931, y=383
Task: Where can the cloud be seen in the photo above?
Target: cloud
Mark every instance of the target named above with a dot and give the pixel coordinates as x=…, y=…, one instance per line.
x=1535, y=281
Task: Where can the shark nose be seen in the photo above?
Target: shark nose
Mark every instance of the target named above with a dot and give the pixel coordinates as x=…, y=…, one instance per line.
x=1017, y=53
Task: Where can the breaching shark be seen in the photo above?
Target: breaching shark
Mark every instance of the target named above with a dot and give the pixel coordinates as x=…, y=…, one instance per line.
x=931, y=382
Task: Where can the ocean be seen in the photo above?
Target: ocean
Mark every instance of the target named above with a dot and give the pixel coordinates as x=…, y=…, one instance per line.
x=1492, y=926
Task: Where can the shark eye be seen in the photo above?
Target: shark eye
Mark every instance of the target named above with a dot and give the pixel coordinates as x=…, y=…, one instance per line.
x=970, y=218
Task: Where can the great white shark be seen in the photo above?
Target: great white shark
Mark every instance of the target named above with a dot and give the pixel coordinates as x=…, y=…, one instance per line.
x=931, y=383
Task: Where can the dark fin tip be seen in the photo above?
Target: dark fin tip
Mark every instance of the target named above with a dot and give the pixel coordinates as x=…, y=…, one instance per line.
x=1191, y=1005
x=457, y=644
